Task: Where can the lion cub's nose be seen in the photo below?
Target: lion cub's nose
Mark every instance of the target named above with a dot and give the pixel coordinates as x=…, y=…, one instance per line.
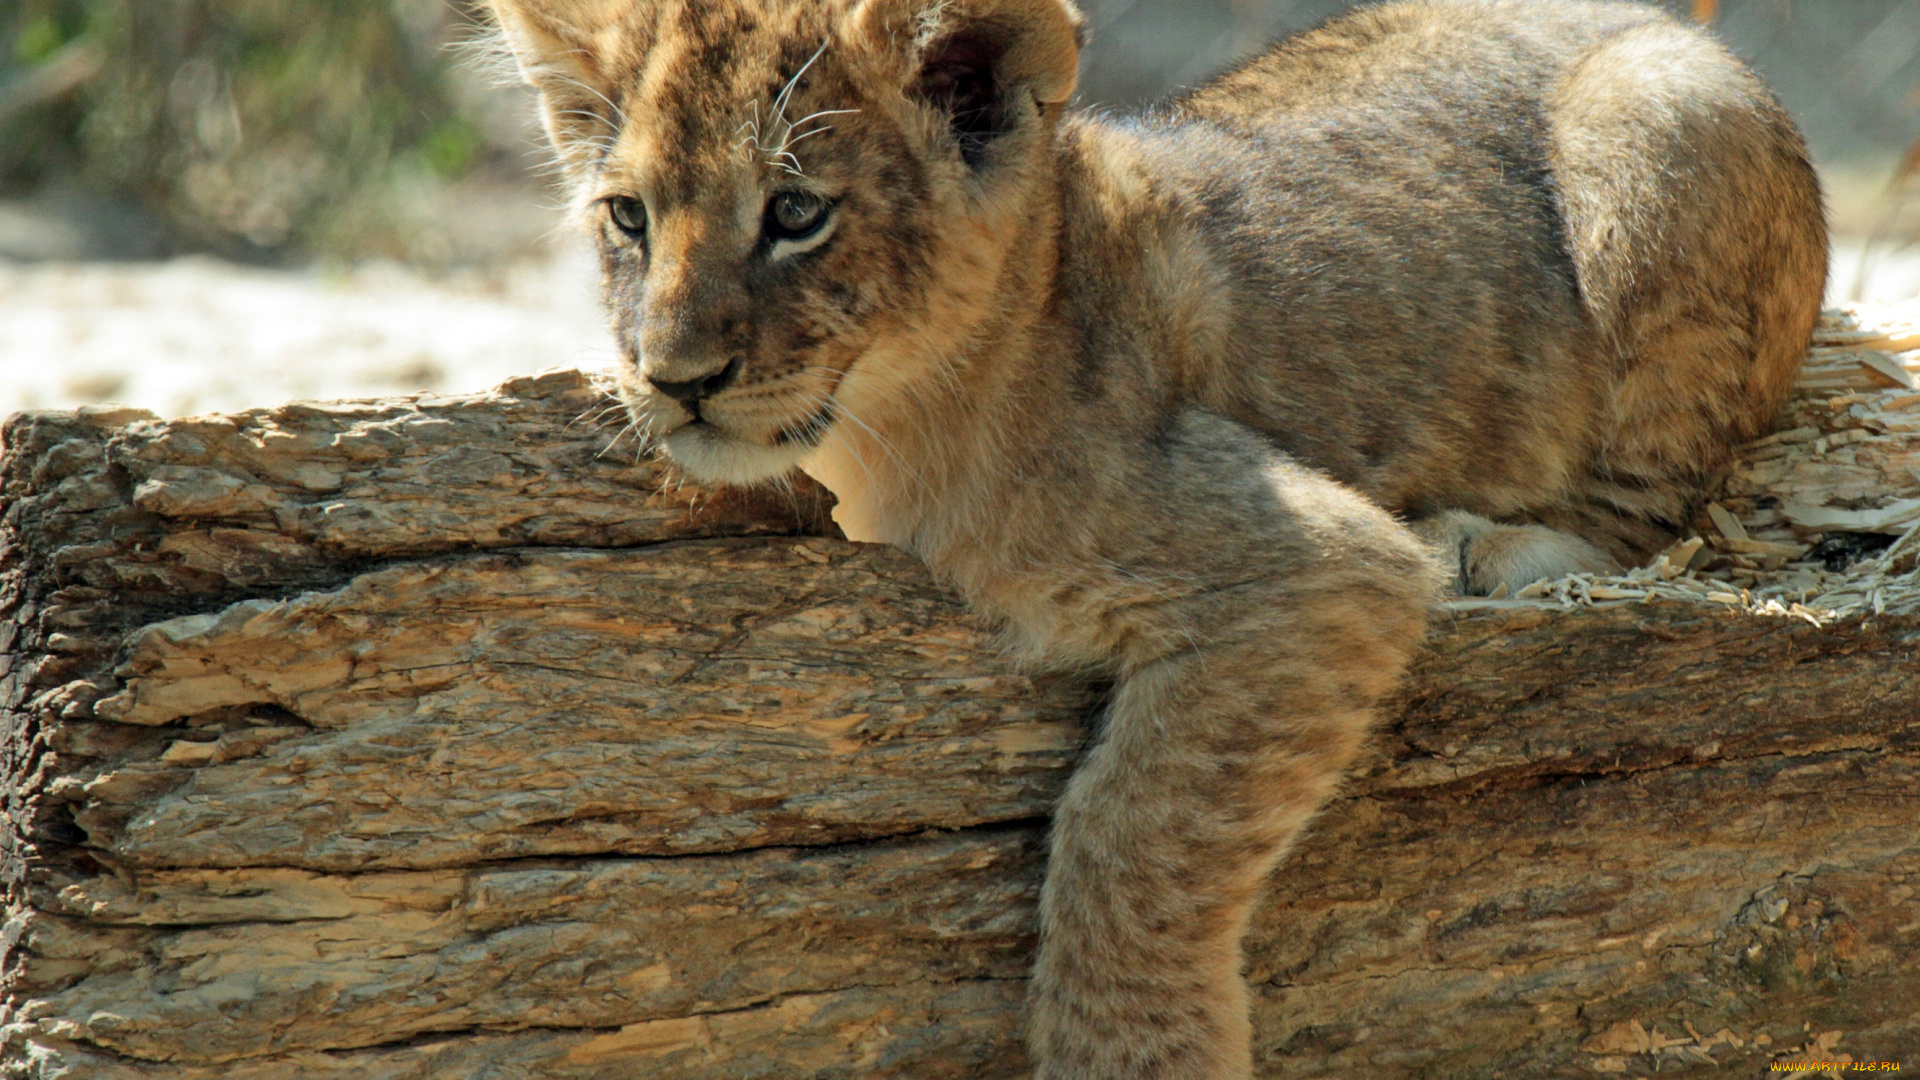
x=689, y=391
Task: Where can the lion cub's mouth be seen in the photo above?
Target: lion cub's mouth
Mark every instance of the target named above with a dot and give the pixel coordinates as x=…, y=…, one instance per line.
x=748, y=422
x=736, y=439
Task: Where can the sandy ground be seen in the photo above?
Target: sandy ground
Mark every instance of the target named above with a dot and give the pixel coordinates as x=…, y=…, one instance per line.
x=196, y=335
x=1879, y=272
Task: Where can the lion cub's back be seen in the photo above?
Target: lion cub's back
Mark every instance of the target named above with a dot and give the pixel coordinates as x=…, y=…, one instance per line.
x=1430, y=56
x=1579, y=202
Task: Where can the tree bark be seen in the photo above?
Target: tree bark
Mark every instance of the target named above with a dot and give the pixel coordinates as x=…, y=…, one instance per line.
x=425, y=738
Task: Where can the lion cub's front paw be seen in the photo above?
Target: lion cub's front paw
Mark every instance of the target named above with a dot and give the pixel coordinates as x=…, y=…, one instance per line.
x=1487, y=555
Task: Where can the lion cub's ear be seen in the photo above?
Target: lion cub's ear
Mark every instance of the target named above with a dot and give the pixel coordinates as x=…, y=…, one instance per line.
x=569, y=50
x=975, y=60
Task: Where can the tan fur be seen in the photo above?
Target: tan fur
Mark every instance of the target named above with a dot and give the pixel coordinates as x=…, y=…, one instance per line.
x=1158, y=394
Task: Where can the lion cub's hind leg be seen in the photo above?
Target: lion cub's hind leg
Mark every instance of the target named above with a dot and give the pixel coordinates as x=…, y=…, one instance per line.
x=1486, y=554
x=1694, y=218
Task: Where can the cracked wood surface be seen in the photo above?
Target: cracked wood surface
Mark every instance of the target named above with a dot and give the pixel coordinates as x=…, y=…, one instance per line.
x=422, y=739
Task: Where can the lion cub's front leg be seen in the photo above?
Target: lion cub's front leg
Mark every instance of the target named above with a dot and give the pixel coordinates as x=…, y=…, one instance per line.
x=1303, y=604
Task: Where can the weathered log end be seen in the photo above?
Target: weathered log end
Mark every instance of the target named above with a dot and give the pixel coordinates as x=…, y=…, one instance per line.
x=429, y=738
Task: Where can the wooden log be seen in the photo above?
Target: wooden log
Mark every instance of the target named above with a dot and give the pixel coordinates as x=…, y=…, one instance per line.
x=424, y=738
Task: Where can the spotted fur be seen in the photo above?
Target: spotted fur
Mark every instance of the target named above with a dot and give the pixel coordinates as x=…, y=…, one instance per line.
x=1165, y=394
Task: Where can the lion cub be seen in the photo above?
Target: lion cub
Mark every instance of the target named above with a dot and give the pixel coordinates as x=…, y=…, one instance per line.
x=1191, y=399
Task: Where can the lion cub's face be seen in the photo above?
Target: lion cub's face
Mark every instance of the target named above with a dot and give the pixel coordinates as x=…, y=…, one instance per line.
x=778, y=186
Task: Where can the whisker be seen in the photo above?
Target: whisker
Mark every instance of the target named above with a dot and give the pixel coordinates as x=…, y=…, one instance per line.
x=618, y=113
x=779, y=155
x=807, y=134
x=786, y=92
x=858, y=458
x=886, y=445
x=594, y=416
x=821, y=113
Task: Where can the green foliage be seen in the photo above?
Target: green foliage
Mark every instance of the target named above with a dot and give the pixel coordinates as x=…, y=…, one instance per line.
x=452, y=147
x=39, y=38
x=253, y=127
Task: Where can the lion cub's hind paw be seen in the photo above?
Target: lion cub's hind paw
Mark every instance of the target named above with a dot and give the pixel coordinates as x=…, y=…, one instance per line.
x=1487, y=554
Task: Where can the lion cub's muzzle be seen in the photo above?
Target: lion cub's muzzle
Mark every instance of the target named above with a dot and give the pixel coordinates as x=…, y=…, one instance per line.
x=721, y=427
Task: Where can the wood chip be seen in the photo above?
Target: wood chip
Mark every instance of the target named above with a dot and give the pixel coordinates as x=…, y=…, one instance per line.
x=1791, y=435
x=1674, y=561
x=1853, y=378
x=1764, y=548
x=1807, y=613
x=1899, y=341
x=1724, y=520
x=1889, y=518
x=1885, y=367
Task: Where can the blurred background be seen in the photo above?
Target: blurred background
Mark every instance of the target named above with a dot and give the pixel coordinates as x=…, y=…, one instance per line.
x=217, y=204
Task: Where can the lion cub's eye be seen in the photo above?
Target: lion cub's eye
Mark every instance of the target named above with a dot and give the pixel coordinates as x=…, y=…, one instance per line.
x=795, y=215
x=629, y=215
